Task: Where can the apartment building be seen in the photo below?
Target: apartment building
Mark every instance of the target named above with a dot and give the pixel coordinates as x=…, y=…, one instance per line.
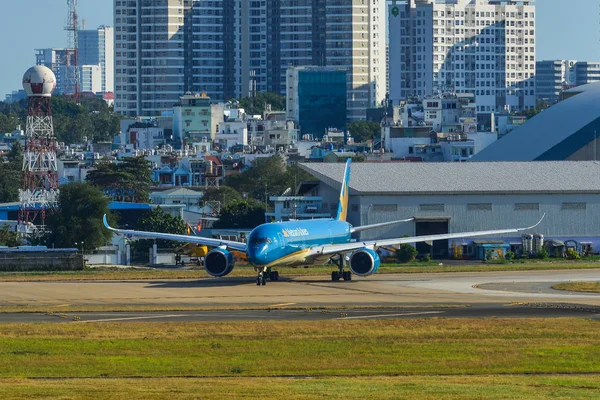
x=96, y=47
x=552, y=77
x=587, y=72
x=151, y=55
x=60, y=61
x=229, y=49
x=484, y=47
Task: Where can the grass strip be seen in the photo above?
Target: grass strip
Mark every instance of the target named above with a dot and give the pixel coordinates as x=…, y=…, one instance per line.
x=590, y=287
x=108, y=273
x=401, y=387
x=321, y=349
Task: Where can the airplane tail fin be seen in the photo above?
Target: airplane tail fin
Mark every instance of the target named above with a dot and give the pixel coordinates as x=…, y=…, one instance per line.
x=343, y=205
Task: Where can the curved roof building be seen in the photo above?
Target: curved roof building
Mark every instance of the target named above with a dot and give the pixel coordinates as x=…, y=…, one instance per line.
x=569, y=130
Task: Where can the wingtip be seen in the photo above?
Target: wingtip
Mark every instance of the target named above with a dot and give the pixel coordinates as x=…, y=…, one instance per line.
x=105, y=220
x=539, y=222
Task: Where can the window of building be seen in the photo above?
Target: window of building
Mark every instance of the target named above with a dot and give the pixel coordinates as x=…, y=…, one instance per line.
x=479, y=207
x=574, y=206
x=431, y=207
x=527, y=206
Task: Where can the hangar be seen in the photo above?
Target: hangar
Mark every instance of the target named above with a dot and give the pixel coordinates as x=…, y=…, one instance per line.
x=568, y=130
x=462, y=197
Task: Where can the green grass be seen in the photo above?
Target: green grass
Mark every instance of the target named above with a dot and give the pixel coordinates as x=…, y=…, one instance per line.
x=108, y=273
x=590, y=287
x=359, y=388
x=425, y=359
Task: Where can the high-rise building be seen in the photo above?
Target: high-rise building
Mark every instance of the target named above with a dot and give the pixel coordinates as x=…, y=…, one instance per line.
x=316, y=98
x=151, y=55
x=229, y=49
x=56, y=59
x=587, y=72
x=484, y=47
x=91, y=78
x=96, y=47
x=552, y=77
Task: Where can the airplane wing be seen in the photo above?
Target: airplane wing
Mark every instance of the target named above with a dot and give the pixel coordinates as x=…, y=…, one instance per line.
x=179, y=238
x=373, y=226
x=374, y=244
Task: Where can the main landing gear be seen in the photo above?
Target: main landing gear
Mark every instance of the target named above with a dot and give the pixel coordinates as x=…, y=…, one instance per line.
x=264, y=273
x=340, y=261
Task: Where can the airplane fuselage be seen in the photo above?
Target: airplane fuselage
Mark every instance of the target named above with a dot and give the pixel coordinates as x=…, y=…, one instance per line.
x=287, y=243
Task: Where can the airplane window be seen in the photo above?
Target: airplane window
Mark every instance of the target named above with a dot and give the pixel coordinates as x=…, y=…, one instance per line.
x=261, y=240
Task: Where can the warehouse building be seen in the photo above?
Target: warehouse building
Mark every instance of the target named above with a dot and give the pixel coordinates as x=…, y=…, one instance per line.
x=463, y=197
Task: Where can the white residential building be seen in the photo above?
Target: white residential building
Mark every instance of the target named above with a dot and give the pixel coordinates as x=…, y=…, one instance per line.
x=91, y=78
x=150, y=55
x=484, y=47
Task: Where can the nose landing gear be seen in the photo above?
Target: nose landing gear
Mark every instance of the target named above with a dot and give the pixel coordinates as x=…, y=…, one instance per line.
x=264, y=273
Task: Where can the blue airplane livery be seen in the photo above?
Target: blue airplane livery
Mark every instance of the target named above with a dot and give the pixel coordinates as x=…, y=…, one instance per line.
x=304, y=242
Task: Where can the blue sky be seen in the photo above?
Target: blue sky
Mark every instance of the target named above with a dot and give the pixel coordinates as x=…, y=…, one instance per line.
x=566, y=29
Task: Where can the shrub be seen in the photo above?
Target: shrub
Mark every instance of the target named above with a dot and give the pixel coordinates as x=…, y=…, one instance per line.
x=509, y=255
x=542, y=254
x=426, y=258
x=406, y=253
x=572, y=254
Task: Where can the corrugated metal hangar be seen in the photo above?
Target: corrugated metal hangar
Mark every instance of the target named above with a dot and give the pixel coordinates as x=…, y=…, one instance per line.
x=462, y=197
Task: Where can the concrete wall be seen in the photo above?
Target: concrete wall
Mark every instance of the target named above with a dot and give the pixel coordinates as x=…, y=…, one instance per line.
x=38, y=261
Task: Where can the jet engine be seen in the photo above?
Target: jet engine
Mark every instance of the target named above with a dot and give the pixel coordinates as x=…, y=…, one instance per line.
x=364, y=262
x=219, y=262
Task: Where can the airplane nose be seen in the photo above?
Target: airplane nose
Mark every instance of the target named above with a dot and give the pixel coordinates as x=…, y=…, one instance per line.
x=260, y=256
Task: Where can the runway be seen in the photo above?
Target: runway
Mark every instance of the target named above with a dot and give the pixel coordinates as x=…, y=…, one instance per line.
x=473, y=311
x=443, y=295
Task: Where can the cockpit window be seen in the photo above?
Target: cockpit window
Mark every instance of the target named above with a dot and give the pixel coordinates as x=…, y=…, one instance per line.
x=257, y=241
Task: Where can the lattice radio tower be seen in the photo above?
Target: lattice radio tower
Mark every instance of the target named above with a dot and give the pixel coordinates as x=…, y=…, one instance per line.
x=38, y=194
x=72, y=53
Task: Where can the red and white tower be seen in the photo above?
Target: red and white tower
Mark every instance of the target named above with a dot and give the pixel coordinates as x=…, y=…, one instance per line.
x=39, y=177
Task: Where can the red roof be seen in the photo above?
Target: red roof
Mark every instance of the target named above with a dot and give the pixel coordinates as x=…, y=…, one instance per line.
x=214, y=159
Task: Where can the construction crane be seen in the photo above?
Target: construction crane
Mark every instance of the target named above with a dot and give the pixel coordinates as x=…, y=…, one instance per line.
x=71, y=55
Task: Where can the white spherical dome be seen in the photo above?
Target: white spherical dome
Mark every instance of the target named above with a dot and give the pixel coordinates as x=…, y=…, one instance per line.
x=39, y=81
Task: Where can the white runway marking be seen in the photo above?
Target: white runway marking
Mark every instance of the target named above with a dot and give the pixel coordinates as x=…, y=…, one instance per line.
x=282, y=304
x=133, y=318
x=393, y=315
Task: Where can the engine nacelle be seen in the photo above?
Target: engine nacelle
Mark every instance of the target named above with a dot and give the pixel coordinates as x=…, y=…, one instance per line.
x=219, y=262
x=364, y=262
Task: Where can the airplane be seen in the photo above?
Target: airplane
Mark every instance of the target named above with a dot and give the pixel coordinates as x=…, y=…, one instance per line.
x=304, y=242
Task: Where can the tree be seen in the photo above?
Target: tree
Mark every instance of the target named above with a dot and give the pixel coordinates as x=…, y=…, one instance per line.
x=362, y=131
x=406, y=253
x=256, y=105
x=93, y=119
x=241, y=214
x=8, y=237
x=224, y=195
x=128, y=180
x=79, y=220
x=267, y=177
x=159, y=221
x=10, y=174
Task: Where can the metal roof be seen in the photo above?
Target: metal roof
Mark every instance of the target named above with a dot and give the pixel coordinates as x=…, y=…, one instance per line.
x=463, y=178
x=553, y=134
